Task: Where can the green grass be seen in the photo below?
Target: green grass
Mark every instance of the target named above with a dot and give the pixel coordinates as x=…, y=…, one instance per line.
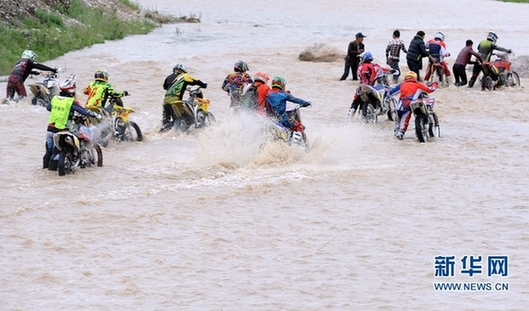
x=516, y=1
x=49, y=35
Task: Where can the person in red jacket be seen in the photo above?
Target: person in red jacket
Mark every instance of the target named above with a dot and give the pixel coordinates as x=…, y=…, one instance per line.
x=410, y=89
x=23, y=68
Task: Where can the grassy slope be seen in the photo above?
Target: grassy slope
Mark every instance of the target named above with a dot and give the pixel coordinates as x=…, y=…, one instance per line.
x=48, y=35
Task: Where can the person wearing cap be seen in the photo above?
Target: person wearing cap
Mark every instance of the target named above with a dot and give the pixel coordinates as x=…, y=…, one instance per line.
x=352, y=60
x=463, y=58
x=416, y=52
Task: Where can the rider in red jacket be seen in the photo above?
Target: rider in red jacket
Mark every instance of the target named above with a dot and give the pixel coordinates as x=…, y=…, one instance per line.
x=409, y=91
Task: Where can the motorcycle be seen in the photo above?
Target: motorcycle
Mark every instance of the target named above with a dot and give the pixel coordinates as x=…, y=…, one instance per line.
x=77, y=147
x=293, y=136
x=438, y=74
x=191, y=112
x=499, y=73
x=116, y=124
x=426, y=120
x=44, y=91
x=376, y=100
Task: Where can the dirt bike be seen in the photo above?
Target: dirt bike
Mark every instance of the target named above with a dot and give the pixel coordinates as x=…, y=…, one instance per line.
x=376, y=100
x=426, y=120
x=499, y=73
x=77, y=147
x=44, y=91
x=116, y=124
x=438, y=74
x=193, y=112
x=293, y=136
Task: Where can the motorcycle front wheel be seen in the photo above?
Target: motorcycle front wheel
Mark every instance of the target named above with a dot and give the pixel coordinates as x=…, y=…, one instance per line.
x=513, y=80
x=93, y=153
x=421, y=128
x=488, y=83
x=132, y=132
x=65, y=164
x=204, y=119
x=392, y=110
x=38, y=101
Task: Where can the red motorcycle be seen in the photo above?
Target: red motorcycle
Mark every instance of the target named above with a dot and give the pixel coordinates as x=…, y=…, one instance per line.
x=499, y=73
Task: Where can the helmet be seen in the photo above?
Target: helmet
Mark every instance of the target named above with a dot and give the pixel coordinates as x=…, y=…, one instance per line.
x=101, y=75
x=240, y=66
x=279, y=82
x=261, y=76
x=68, y=85
x=410, y=76
x=492, y=36
x=29, y=54
x=367, y=57
x=439, y=35
x=180, y=67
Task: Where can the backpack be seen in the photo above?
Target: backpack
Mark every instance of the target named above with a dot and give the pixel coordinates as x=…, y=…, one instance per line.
x=249, y=97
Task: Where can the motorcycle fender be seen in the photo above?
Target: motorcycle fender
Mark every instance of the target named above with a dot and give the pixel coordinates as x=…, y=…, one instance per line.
x=68, y=138
x=418, y=107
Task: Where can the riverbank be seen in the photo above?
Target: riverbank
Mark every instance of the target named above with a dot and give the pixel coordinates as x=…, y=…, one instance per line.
x=56, y=27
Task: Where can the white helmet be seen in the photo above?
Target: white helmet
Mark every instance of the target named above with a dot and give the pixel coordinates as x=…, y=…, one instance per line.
x=439, y=35
x=29, y=54
x=492, y=36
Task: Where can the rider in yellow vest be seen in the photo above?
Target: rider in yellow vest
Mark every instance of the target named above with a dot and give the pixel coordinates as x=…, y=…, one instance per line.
x=62, y=108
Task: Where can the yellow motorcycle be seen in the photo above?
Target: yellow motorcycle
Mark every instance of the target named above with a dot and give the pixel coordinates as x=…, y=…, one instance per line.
x=115, y=123
x=191, y=112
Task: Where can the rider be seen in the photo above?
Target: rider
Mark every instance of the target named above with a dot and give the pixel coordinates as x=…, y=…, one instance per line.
x=437, y=52
x=368, y=75
x=410, y=89
x=278, y=97
x=22, y=69
x=234, y=82
x=62, y=108
x=485, y=49
x=175, y=85
x=99, y=90
x=255, y=95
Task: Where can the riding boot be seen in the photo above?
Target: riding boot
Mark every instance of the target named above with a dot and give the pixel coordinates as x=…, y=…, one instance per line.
x=46, y=160
x=471, y=82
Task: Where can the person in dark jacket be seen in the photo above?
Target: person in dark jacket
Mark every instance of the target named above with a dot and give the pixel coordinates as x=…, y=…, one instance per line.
x=22, y=69
x=352, y=60
x=416, y=52
x=463, y=58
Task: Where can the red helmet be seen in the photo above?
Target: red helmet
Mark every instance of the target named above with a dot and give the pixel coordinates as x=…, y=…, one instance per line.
x=261, y=76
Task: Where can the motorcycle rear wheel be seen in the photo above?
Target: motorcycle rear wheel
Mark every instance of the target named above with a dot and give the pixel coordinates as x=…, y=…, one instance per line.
x=421, y=128
x=65, y=164
x=369, y=113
